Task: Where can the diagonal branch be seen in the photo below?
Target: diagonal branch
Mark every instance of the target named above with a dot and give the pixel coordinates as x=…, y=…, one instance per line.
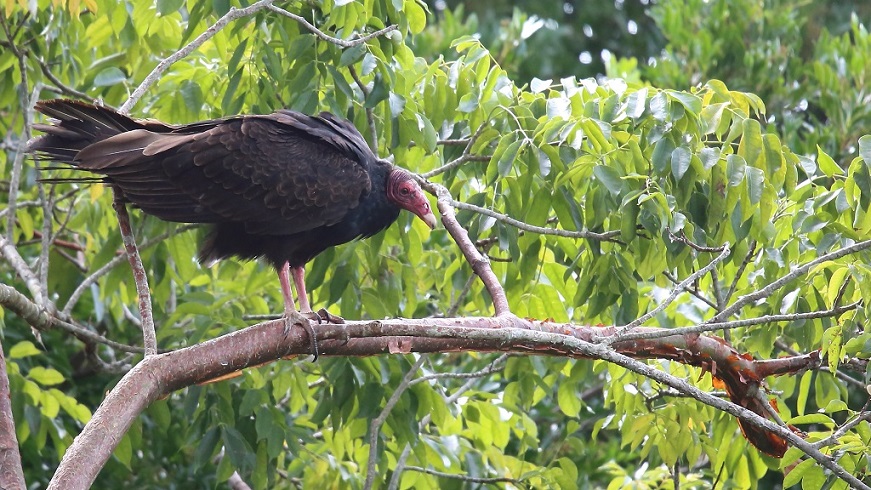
x=152, y=78
x=610, y=235
x=675, y=292
x=479, y=263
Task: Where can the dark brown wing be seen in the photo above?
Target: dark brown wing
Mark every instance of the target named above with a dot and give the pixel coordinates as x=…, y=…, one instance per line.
x=278, y=174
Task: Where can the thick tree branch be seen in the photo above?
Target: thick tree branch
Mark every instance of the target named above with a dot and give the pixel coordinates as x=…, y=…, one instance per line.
x=11, y=473
x=159, y=375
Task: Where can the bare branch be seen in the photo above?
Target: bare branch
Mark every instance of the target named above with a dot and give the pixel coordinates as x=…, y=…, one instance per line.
x=22, y=269
x=27, y=109
x=159, y=375
x=491, y=368
x=62, y=88
x=464, y=157
x=338, y=42
x=377, y=422
x=455, y=307
x=370, y=115
x=693, y=291
x=740, y=272
x=149, y=338
x=39, y=319
x=117, y=260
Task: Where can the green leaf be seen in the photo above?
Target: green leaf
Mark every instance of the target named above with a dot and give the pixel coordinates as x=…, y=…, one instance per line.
x=797, y=473
x=680, y=161
x=45, y=376
x=692, y=103
x=238, y=449
x=865, y=149
x=609, y=177
x=827, y=164
x=23, y=349
x=124, y=451
x=109, y=76
x=416, y=16
x=167, y=7
x=735, y=169
x=755, y=184
x=507, y=159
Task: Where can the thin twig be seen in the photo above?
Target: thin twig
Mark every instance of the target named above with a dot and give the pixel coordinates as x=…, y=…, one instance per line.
x=117, y=260
x=692, y=291
x=491, y=368
x=455, y=307
x=861, y=416
x=465, y=478
x=675, y=292
x=761, y=320
x=326, y=37
x=62, y=88
x=607, y=236
x=370, y=115
x=464, y=157
x=794, y=274
x=740, y=272
x=27, y=109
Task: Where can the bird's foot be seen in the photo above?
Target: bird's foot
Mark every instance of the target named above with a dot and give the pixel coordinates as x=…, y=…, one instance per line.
x=302, y=319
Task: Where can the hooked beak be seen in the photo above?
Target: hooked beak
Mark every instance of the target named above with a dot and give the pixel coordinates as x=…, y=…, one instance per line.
x=425, y=213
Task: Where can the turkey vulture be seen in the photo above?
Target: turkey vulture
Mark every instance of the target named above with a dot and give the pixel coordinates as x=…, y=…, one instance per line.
x=284, y=186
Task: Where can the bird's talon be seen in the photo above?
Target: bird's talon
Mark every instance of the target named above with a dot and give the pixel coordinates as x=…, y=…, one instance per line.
x=328, y=317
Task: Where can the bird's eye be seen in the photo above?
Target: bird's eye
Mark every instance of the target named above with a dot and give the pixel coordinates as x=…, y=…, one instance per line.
x=404, y=191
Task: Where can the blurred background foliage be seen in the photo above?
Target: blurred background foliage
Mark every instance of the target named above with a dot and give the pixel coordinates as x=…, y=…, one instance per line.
x=624, y=117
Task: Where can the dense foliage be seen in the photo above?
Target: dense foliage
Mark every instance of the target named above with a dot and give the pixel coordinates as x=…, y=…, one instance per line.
x=654, y=151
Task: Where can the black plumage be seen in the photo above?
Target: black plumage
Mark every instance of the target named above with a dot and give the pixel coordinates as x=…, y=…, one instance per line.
x=283, y=186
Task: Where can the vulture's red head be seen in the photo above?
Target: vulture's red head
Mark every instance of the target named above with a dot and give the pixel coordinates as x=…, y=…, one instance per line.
x=406, y=193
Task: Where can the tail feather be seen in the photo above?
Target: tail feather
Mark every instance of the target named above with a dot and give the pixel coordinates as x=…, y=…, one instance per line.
x=77, y=126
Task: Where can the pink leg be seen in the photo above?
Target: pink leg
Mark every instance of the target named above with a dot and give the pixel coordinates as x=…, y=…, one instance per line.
x=299, y=282
x=285, y=289
x=290, y=314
